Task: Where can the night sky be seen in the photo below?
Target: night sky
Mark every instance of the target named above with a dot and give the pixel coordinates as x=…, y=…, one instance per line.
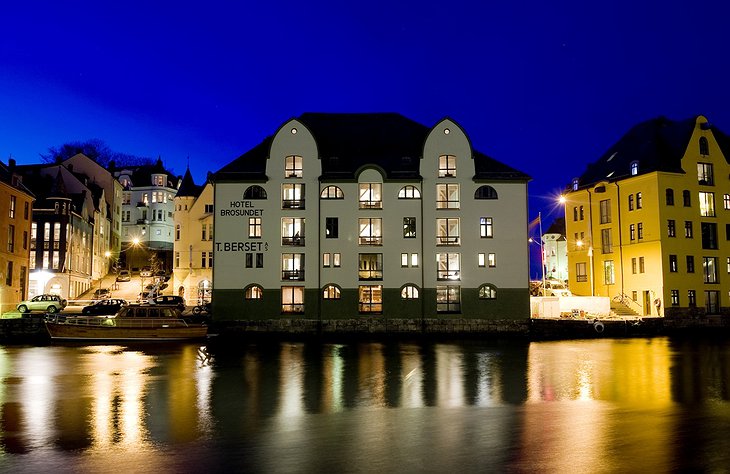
x=545, y=87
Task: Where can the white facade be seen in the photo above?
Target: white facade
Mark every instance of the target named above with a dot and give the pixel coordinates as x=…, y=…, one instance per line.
x=420, y=245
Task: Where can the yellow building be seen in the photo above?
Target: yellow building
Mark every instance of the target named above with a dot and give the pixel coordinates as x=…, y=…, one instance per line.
x=649, y=222
x=16, y=208
x=192, y=275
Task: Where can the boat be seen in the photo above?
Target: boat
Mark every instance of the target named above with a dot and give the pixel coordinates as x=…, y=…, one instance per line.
x=130, y=323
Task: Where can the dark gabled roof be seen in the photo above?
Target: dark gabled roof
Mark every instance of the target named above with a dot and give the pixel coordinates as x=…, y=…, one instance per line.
x=142, y=174
x=348, y=142
x=6, y=176
x=557, y=227
x=188, y=188
x=657, y=145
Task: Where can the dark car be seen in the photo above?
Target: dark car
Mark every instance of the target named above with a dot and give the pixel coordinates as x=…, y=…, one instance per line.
x=169, y=300
x=106, y=306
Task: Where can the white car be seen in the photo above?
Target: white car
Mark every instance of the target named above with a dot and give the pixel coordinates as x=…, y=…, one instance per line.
x=554, y=288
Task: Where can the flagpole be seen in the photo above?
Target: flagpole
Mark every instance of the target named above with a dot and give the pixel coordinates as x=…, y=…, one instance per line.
x=542, y=252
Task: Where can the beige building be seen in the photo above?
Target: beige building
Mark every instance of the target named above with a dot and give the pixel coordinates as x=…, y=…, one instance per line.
x=192, y=275
x=16, y=207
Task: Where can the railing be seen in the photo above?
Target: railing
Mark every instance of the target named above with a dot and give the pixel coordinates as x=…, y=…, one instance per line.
x=292, y=274
x=292, y=203
x=297, y=241
x=447, y=240
x=370, y=241
x=110, y=321
x=627, y=301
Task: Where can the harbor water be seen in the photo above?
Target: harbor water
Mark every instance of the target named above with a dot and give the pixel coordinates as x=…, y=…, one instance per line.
x=602, y=405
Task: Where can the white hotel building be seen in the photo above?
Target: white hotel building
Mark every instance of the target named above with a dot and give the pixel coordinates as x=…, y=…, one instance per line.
x=369, y=215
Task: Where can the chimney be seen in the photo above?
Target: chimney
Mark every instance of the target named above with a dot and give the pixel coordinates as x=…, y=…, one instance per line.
x=11, y=164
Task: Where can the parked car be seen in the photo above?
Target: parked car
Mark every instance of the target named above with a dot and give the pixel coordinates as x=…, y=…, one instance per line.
x=170, y=300
x=124, y=275
x=47, y=303
x=107, y=306
x=554, y=288
x=146, y=272
x=102, y=293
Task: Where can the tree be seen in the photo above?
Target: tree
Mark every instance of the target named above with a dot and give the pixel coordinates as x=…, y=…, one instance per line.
x=95, y=149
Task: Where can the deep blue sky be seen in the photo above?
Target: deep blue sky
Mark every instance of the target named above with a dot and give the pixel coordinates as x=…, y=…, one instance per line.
x=543, y=86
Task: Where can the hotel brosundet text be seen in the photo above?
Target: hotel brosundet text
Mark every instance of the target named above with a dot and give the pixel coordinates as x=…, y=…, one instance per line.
x=369, y=215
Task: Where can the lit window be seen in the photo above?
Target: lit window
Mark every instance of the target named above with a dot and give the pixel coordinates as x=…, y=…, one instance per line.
x=634, y=168
x=448, y=299
x=326, y=259
x=575, y=184
x=486, y=228
x=370, y=299
x=726, y=201
x=331, y=292
x=487, y=292
x=404, y=260
x=675, y=297
x=292, y=196
x=482, y=258
x=580, y=272
x=292, y=266
x=409, y=292
x=688, y=232
x=448, y=266
x=691, y=298
x=370, y=196
x=177, y=231
x=609, y=275
x=492, y=259
x=673, y=267
x=447, y=166
x=447, y=196
x=671, y=228
x=707, y=204
x=370, y=231
x=639, y=203
x=704, y=174
x=370, y=266
x=332, y=192
x=292, y=299
x=414, y=259
x=447, y=231
x=11, y=213
x=254, y=227
x=409, y=192
x=336, y=259
x=293, y=166
x=709, y=268
x=254, y=292
x=292, y=231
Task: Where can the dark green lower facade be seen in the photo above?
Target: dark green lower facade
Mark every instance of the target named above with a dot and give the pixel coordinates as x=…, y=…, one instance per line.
x=510, y=304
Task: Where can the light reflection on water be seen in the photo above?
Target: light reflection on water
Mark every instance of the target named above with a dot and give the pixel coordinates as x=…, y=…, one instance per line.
x=578, y=406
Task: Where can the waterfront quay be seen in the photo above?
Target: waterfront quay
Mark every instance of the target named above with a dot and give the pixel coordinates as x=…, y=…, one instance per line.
x=31, y=328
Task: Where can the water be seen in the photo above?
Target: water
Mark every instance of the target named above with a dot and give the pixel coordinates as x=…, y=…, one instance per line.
x=630, y=405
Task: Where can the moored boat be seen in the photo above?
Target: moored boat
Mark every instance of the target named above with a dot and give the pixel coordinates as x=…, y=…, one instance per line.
x=131, y=323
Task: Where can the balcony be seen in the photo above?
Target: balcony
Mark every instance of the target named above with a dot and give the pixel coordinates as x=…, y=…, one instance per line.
x=296, y=241
x=447, y=240
x=143, y=221
x=296, y=275
x=141, y=204
x=292, y=204
x=444, y=275
x=370, y=240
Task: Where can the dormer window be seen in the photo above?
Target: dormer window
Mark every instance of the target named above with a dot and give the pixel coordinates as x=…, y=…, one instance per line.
x=293, y=166
x=634, y=168
x=704, y=146
x=158, y=179
x=575, y=184
x=447, y=166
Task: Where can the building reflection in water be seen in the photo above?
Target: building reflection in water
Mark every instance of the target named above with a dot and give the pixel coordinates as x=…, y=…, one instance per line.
x=584, y=404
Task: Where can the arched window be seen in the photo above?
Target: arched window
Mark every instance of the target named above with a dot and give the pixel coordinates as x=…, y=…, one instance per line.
x=254, y=192
x=670, y=197
x=409, y=192
x=409, y=292
x=485, y=192
x=634, y=168
x=331, y=292
x=332, y=192
x=487, y=292
x=704, y=146
x=253, y=292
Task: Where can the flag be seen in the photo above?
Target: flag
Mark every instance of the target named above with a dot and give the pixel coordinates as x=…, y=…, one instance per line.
x=533, y=223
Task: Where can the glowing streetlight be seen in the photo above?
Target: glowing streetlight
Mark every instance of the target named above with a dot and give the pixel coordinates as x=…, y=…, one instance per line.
x=561, y=199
